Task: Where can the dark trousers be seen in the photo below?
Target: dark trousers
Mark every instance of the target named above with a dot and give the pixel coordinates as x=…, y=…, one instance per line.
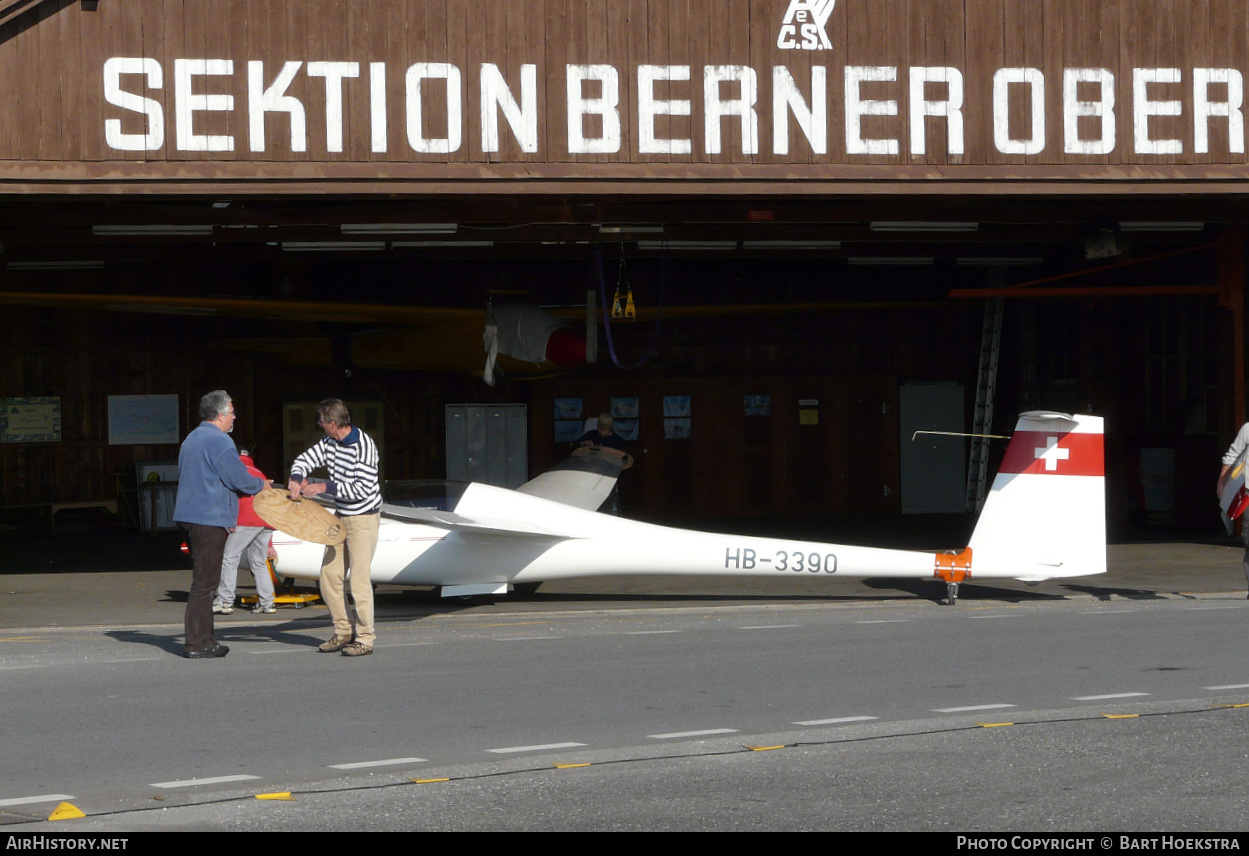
x=208, y=544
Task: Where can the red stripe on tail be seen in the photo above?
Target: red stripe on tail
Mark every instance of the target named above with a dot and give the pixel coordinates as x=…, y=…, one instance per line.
x=1054, y=454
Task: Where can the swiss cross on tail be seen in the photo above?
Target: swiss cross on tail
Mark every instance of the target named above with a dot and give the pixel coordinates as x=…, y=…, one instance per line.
x=1054, y=453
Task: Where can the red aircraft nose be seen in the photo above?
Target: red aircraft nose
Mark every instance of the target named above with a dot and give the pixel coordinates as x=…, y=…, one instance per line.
x=565, y=348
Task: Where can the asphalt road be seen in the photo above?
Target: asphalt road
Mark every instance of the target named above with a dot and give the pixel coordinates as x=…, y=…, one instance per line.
x=885, y=709
x=880, y=708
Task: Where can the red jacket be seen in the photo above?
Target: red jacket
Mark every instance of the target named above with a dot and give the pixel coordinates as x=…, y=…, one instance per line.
x=247, y=514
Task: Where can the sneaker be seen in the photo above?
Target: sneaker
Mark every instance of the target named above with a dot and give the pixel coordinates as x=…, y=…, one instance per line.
x=356, y=649
x=261, y=609
x=223, y=609
x=336, y=643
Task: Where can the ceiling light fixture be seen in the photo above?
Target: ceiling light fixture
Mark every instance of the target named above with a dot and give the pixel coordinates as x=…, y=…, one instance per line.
x=399, y=228
x=629, y=229
x=998, y=261
x=791, y=245
x=60, y=265
x=922, y=226
x=331, y=246
x=891, y=260
x=687, y=245
x=1161, y=226
x=418, y=244
x=151, y=230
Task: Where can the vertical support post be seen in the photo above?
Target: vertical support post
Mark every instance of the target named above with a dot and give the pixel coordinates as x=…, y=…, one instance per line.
x=1232, y=269
x=591, y=326
x=986, y=390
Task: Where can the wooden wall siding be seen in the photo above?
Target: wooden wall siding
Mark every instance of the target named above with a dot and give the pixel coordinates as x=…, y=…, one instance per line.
x=53, y=112
x=82, y=358
x=734, y=464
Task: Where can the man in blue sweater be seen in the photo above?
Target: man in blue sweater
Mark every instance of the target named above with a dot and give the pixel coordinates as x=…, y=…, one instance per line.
x=210, y=478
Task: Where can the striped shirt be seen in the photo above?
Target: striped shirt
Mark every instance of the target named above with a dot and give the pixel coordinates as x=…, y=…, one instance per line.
x=352, y=465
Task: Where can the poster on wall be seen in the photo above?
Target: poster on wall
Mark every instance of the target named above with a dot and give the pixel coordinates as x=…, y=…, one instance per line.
x=757, y=405
x=624, y=408
x=676, y=417
x=626, y=429
x=137, y=420
x=568, y=408
x=568, y=420
x=30, y=420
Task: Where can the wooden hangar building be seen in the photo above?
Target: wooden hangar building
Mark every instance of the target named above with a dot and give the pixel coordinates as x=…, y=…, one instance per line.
x=836, y=221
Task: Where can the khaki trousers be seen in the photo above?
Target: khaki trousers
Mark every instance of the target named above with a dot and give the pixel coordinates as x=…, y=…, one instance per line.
x=355, y=553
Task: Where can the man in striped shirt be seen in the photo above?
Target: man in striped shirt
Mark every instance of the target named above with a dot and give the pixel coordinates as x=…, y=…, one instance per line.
x=350, y=457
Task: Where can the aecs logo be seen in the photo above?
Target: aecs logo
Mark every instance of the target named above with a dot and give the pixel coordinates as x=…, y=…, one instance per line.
x=803, y=27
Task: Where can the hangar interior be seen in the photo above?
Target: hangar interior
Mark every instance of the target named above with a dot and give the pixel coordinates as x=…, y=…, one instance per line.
x=997, y=206
x=829, y=307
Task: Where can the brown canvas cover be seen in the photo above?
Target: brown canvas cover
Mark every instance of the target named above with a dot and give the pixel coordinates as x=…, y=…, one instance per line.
x=302, y=518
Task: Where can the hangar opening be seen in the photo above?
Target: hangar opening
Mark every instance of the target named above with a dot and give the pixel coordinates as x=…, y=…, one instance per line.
x=798, y=310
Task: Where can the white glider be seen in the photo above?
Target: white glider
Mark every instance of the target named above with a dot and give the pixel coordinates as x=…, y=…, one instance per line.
x=1044, y=518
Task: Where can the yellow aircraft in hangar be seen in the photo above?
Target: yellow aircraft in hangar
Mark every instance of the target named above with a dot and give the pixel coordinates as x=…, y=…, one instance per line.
x=519, y=341
x=523, y=340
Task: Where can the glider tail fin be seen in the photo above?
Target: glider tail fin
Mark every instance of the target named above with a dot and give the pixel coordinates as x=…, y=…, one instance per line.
x=1046, y=513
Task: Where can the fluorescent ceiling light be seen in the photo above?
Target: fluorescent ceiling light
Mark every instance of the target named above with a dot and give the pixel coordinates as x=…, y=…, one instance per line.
x=399, y=228
x=922, y=226
x=331, y=246
x=687, y=245
x=629, y=229
x=891, y=260
x=791, y=245
x=64, y=265
x=1161, y=226
x=152, y=229
x=998, y=261
x=399, y=244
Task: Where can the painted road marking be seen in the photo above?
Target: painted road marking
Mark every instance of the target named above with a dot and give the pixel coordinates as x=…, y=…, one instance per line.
x=840, y=720
x=706, y=732
x=190, y=783
x=303, y=650
x=971, y=707
x=408, y=644
x=1229, y=687
x=505, y=750
x=1107, y=696
x=37, y=799
x=360, y=765
x=768, y=626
